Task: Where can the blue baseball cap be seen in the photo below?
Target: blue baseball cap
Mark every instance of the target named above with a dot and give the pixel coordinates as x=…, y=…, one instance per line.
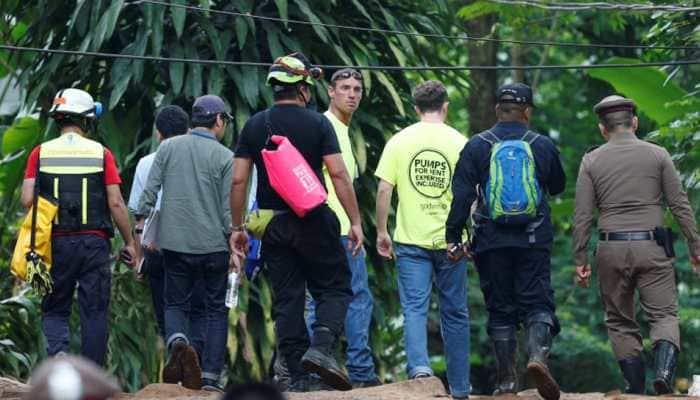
x=209, y=105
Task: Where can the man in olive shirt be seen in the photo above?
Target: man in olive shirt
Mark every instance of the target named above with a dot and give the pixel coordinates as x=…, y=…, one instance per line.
x=345, y=92
x=195, y=172
x=629, y=181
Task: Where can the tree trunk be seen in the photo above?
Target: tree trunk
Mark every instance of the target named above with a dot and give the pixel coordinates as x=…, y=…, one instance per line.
x=482, y=95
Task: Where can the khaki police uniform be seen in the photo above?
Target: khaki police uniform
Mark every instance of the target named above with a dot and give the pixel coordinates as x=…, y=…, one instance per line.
x=630, y=182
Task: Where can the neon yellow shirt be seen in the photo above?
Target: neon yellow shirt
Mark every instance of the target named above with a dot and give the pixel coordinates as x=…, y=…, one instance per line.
x=420, y=161
x=341, y=131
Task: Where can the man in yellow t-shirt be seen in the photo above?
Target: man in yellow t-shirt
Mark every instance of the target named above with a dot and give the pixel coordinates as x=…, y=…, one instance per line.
x=419, y=161
x=345, y=92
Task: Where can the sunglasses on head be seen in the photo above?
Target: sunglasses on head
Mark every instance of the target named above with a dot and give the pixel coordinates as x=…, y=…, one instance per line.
x=345, y=75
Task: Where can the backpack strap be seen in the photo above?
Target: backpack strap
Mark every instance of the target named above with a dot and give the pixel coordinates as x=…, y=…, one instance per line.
x=488, y=137
x=530, y=137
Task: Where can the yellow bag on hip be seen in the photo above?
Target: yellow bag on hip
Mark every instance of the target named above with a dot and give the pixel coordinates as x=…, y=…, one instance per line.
x=33, y=265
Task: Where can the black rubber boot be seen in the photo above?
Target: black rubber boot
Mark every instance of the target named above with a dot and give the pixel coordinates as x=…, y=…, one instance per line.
x=319, y=360
x=539, y=344
x=665, y=357
x=505, y=347
x=634, y=373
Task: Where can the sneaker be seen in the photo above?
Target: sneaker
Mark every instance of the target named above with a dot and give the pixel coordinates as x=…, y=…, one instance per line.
x=211, y=385
x=366, y=384
x=308, y=383
x=421, y=375
x=319, y=361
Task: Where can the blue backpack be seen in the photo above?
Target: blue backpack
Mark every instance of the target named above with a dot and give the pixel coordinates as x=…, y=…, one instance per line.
x=512, y=194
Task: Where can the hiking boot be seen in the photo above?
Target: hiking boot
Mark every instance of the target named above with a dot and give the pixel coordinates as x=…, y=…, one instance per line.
x=366, y=384
x=211, y=385
x=505, y=349
x=421, y=375
x=172, y=371
x=191, y=371
x=539, y=344
x=665, y=357
x=634, y=374
x=319, y=360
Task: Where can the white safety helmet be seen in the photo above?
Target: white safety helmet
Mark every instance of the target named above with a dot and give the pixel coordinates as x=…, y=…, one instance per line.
x=75, y=102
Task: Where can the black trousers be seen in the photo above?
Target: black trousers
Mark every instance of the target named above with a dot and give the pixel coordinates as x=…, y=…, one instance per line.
x=517, y=287
x=306, y=253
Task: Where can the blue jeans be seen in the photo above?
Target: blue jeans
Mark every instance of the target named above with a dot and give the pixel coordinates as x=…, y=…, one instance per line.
x=416, y=267
x=154, y=269
x=207, y=274
x=359, y=362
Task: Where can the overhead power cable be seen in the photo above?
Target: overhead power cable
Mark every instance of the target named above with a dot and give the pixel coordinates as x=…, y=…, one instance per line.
x=568, y=6
x=388, y=68
x=463, y=37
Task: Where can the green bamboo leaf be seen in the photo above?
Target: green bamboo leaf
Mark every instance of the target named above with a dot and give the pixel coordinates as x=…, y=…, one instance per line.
x=95, y=12
x=157, y=26
x=79, y=18
x=178, y=16
x=384, y=80
x=400, y=56
x=177, y=70
x=241, y=32
x=283, y=10
x=274, y=44
x=321, y=31
x=246, y=80
x=117, y=92
x=213, y=34
x=193, y=83
x=215, y=80
x=362, y=10
x=478, y=9
x=107, y=23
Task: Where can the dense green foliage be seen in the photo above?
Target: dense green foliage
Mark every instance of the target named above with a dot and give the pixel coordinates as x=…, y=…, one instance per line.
x=133, y=90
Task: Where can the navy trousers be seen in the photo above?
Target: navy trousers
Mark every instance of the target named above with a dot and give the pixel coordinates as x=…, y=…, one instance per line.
x=517, y=287
x=82, y=261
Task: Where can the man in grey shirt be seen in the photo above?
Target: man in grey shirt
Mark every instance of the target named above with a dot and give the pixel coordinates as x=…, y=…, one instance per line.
x=195, y=173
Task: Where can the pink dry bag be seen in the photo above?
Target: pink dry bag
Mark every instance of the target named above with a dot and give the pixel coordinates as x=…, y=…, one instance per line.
x=292, y=177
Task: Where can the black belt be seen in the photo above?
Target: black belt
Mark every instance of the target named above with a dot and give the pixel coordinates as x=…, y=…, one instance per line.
x=643, y=235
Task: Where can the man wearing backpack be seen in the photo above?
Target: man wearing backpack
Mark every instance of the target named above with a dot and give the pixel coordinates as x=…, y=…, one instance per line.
x=306, y=251
x=510, y=170
x=419, y=161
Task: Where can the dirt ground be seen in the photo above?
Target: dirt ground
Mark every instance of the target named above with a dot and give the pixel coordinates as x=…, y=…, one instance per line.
x=422, y=389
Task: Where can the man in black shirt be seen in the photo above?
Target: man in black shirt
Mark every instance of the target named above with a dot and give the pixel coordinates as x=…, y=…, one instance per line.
x=303, y=252
x=513, y=260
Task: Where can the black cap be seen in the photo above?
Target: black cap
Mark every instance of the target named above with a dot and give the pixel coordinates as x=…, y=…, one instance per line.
x=207, y=106
x=612, y=104
x=518, y=93
x=172, y=121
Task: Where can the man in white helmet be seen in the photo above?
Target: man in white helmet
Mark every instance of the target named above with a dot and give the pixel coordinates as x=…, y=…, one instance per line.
x=81, y=175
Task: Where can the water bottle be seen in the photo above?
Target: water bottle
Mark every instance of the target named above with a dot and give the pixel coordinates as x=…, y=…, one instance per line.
x=695, y=388
x=232, y=291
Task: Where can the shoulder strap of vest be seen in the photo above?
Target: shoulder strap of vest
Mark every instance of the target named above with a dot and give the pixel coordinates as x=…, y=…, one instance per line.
x=35, y=206
x=488, y=137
